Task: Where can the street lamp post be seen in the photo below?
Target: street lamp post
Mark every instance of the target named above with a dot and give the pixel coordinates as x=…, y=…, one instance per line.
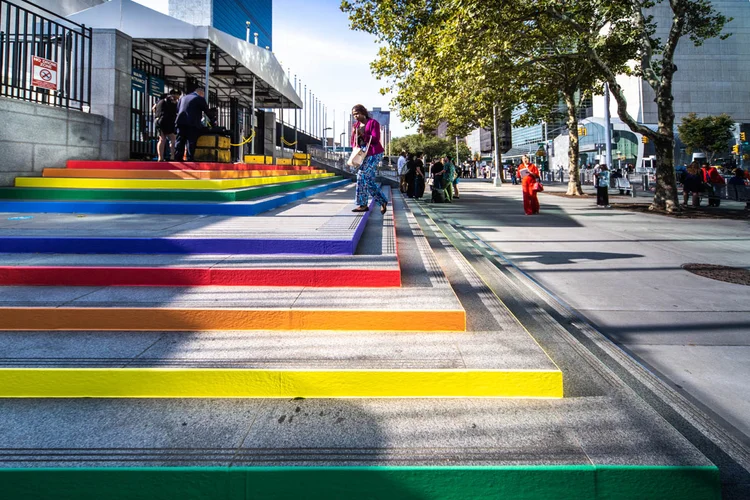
x=324, y=136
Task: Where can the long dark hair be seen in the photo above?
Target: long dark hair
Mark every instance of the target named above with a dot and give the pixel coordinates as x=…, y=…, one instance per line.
x=361, y=109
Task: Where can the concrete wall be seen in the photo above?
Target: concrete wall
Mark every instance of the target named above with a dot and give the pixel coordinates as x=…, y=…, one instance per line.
x=36, y=136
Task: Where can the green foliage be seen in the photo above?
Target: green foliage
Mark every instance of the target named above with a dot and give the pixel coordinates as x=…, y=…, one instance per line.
x=710, y=134
x=432, y=146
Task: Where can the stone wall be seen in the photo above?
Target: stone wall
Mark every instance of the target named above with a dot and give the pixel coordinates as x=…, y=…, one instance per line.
x=37, y=136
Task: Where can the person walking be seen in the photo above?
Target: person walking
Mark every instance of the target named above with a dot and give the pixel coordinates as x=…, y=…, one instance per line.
x=529, y=175
x=714, y=182
x=165, y=115
x=190, y=111
x=740, y=187
x=414, y=177
x=601, y=176
x=401, y=169
x=449, y=175
x=366, y=130
x=692, y=185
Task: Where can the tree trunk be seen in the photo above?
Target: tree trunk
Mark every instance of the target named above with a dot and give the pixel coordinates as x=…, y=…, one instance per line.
x=665, y=194
x=574, y=183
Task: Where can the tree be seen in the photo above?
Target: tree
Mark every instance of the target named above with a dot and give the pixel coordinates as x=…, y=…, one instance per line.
x=710, y=134
x=507, y=53
x=630, y=22
x=432, y=146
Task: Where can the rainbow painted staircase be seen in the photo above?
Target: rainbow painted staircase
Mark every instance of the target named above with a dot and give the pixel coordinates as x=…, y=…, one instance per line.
x=153, y=351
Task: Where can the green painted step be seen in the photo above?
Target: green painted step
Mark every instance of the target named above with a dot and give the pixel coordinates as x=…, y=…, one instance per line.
x=15, y=193
x=580, y=482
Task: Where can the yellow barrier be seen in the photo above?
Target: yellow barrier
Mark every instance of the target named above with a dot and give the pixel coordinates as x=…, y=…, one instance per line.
x=284, y=161
x=255, y=159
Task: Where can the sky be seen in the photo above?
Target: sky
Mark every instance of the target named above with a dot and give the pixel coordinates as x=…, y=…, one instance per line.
x=312, y=39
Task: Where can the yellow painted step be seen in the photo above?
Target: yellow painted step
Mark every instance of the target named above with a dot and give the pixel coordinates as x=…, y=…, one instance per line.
x=283, y=161
x=255, y=383
x=301, y=163
x=301, y=156
x=188, y=184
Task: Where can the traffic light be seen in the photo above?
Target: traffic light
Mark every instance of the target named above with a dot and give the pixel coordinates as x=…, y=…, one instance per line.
x=736, y=149
x=644, y=139
x=742, y=136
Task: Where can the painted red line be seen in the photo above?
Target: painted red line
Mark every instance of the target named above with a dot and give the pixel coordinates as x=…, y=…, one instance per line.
x=154, y=276
x=176, y=165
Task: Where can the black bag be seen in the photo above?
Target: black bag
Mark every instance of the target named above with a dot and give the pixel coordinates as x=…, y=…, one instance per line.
x=438, y=196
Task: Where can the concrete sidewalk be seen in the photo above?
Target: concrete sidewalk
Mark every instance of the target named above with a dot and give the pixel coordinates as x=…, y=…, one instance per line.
x=621, y=271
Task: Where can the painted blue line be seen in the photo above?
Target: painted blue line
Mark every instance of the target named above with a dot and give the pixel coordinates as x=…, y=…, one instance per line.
x=241, y=208
x=20, y=244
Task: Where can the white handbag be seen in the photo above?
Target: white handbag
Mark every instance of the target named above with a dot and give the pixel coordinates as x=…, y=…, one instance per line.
x=357, y=158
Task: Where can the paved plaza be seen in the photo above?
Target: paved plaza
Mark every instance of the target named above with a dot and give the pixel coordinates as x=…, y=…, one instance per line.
x=569, y=346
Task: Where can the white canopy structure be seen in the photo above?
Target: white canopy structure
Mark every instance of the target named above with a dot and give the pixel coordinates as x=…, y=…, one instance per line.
x=232, y=64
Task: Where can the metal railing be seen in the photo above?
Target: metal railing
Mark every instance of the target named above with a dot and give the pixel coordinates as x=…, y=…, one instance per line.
x=44, y=57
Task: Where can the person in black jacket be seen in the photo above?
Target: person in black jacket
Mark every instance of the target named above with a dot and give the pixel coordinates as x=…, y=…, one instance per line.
x=165, y=115
x=190, y=111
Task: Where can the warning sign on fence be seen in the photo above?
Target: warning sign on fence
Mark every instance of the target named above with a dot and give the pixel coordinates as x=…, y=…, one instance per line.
x=45, y=73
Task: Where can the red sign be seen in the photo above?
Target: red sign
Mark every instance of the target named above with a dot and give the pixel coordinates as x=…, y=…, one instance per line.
x=45, y=73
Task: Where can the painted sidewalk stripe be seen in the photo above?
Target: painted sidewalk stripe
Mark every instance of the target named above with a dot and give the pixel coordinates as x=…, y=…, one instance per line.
x=202, y=319
x=242, y=208
x=258, y=383
x=161, y=184
x=190, y=276
x=227, y=195
x=543, y=482
x=167, y=174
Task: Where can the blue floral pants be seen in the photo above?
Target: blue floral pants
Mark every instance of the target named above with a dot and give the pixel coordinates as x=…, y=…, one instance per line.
x=366, y=185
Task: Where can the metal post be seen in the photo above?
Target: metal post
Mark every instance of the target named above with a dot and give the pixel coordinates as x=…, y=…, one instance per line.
x=282, y=125
x=247, y=31
x=607, y=127
x=304, y=107
x=208, y=67
x=295, y=117
x=256, y=38
x=333, y=131
x=457, y=160
x=252, y=120
x=498, y=181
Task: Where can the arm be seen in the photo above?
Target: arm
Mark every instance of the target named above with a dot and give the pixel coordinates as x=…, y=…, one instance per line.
x=372, y=131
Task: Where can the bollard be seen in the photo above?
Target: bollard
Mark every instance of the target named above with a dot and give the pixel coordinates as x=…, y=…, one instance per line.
x=644, y=181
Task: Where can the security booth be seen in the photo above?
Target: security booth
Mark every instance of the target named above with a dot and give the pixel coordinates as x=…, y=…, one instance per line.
x=243, y=82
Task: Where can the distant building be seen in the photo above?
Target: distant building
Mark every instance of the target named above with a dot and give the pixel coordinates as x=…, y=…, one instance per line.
x=479, y=142
x=229, y=16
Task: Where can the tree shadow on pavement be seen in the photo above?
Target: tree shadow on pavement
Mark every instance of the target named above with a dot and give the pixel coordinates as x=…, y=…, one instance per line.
x=553, y=258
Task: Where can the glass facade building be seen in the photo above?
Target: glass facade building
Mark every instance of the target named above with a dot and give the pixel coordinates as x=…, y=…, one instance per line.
x=229, y=16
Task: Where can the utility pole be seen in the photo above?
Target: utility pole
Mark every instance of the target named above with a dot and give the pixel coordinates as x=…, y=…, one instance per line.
x=496, y=157
x=607, y=127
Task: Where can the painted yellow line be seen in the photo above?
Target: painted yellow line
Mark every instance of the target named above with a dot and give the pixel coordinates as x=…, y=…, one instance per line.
x=238, y=383
x=156, y=319
x=100, y=173
x=50, y=182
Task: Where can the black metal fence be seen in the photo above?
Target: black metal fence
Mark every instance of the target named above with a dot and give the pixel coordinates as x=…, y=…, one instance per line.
x=44, y=57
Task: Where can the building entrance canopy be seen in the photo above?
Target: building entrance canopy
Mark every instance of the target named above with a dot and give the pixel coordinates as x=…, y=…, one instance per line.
x=234, y=63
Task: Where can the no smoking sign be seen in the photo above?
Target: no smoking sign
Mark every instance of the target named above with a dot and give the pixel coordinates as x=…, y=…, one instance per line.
x=45, y=73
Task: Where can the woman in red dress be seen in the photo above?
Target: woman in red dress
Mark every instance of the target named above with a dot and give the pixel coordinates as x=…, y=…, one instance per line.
x=529, y=177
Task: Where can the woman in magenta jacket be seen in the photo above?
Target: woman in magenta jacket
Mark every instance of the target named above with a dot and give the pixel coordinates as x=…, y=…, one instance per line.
x=367, y=130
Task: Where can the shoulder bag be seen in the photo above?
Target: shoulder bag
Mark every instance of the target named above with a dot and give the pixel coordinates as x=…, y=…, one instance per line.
x=357, y=158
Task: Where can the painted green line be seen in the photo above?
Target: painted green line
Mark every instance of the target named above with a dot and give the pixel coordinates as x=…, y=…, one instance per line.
x=157, y=194
x=581, y=482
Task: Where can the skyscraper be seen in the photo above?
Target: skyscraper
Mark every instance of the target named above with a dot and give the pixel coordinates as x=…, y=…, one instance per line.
x=229, y=16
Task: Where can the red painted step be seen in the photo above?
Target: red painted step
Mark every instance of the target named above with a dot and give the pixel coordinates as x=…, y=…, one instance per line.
x=176, y=165
x=182, y=276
